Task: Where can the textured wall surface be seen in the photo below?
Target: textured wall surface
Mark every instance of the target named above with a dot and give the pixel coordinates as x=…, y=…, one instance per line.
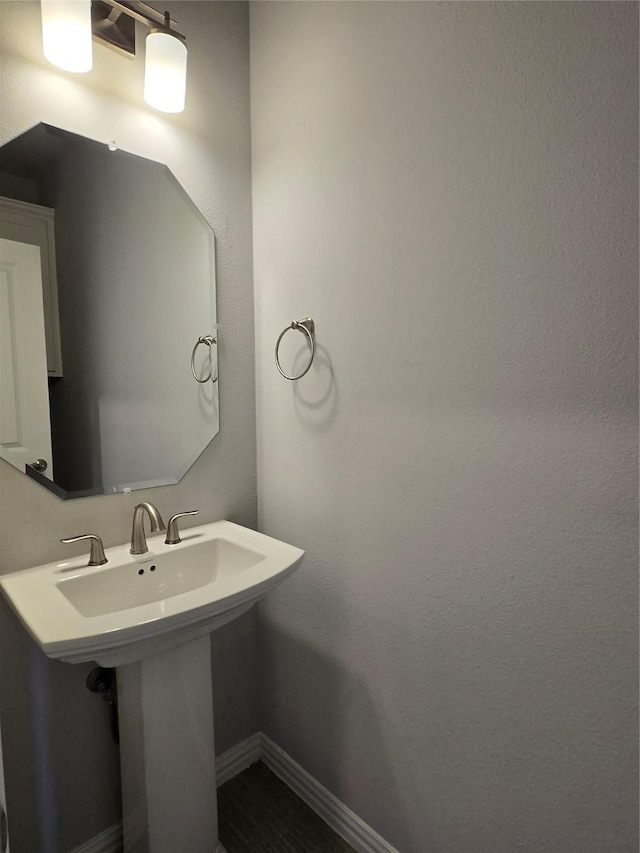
x=450, y=191
x=61, y=768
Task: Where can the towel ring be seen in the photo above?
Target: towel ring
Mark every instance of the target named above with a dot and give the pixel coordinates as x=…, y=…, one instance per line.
x=209, y=341
x=307, y=327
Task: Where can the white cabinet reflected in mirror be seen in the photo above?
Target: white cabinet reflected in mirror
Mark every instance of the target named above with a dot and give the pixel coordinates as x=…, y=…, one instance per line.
x=133, y=264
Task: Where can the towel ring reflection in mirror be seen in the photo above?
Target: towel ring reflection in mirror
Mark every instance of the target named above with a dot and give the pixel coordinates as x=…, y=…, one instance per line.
x=209, y=340
x=307, y=327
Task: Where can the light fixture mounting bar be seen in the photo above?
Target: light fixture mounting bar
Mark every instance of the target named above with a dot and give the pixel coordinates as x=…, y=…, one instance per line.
x=143, y=12
x=113, y=22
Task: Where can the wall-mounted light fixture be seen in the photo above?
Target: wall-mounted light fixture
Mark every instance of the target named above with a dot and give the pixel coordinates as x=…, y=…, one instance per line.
x=66, y=34
x=68, y=27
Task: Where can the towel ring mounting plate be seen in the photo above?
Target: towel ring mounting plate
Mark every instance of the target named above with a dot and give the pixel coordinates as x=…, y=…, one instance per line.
x=307, y=327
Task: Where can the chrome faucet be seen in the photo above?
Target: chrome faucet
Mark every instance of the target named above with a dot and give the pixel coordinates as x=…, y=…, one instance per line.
x=138, y=538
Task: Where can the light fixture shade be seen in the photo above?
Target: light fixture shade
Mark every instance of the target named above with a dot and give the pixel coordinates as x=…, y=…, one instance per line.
x=66, y=34
x=165, y=72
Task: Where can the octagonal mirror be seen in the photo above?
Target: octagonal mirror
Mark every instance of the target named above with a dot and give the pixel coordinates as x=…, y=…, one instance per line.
x=107, y=286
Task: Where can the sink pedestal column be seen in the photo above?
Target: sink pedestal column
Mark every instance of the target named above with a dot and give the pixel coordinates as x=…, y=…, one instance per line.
x=167, y=756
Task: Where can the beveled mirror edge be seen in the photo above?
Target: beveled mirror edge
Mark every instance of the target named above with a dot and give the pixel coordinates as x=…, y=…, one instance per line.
x=32, y=472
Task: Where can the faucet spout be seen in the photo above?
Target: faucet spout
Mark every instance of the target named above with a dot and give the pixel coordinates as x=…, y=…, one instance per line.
x=138, y=538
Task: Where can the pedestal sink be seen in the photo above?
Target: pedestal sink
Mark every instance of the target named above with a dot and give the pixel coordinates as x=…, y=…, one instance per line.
x=150, y=616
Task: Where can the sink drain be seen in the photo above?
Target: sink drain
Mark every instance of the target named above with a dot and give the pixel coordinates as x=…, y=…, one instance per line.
x=102, y=680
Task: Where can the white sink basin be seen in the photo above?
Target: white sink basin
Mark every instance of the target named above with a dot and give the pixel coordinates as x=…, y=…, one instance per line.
x=134, y=607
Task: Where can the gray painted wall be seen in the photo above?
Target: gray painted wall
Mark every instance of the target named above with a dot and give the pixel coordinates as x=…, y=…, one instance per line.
x=450, y=190
x=61, y=768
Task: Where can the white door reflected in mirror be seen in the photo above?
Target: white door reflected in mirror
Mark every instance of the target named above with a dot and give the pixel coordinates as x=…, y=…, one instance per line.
x=25, y=431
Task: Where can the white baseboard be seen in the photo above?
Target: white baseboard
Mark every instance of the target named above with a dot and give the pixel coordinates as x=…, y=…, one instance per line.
x=109, y=841
x=238, y=758
x=334, y=812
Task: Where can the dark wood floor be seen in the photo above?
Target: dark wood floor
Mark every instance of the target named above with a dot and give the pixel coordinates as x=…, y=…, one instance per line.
x=258, y=813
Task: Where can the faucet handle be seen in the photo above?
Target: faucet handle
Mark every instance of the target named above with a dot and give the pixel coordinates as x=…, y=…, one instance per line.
x=97, y=556
x=173, y=534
